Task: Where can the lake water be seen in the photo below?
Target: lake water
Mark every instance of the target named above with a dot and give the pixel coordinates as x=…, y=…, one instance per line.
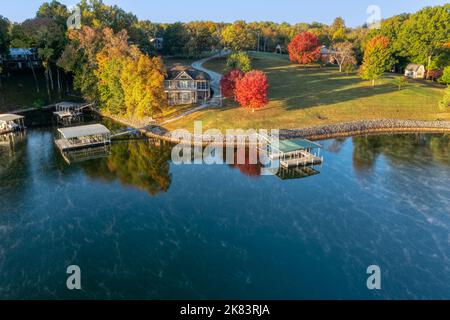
x=140, y=227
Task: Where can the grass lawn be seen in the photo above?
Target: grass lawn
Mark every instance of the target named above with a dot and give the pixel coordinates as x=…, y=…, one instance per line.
x=309, y=96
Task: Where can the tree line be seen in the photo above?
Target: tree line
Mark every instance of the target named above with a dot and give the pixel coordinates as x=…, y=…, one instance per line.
x=422, y=37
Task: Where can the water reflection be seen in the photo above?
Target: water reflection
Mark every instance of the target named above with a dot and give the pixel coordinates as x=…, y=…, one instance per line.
x=13, y=167
x=400, y=149
x=144, y=165
x=215, y=233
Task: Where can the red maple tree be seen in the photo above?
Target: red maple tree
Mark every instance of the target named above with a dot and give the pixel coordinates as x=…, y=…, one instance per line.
x=251, y=90
x=304, y=48
x=228, y=82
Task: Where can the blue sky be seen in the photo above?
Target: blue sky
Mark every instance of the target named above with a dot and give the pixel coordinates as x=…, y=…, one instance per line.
x=353, y=11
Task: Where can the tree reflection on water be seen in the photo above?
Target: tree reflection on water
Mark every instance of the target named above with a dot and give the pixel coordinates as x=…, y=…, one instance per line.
x=400, y=149
x=143, y=165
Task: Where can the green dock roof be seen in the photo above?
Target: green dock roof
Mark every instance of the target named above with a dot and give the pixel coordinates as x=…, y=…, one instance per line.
x=287, y=146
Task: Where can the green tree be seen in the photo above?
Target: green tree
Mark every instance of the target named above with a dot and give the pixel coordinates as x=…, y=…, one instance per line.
x=175, y=39
x=445, y=78
x=80, y=59
x=377, y=59
x=399, y=82
x=239, y=60
x=338, y=30
x=424, y=35
x=54, y=10
x=111, y=61
x=203, y=36
x=239, y=36
x=97, y=14
x=4, y=35
x=142, y=81
x=444, y=104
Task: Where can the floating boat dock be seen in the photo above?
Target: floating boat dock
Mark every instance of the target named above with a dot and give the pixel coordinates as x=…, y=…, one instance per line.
x=83, y=137
x=11, y=123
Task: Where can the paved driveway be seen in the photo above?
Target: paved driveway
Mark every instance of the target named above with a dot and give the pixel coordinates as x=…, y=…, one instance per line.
x=216, y=99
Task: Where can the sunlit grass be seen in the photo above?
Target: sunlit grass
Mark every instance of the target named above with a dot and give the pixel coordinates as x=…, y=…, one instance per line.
x=309, y=96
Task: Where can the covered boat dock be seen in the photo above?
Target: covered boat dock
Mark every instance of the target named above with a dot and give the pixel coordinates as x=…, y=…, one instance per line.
x=11, y=123
x=66, y=112
x=294, y=153
x=82, y=137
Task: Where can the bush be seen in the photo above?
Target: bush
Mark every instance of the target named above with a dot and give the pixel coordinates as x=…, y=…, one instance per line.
x=445, y=78
x=399, y=82
x=444, y=104
x=38, y=103
x=240, y=61
x=349, y=68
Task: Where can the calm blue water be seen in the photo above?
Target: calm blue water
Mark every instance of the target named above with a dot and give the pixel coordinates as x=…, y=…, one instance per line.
x=139, y=227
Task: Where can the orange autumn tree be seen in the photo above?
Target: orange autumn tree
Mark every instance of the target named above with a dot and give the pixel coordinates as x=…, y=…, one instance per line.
x=304, y=48
x=251, y=90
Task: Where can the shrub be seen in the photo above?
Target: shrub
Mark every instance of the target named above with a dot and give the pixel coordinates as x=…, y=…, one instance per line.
x=239, y=60
x=444, y=104
x=445, y=78
x=399, y=82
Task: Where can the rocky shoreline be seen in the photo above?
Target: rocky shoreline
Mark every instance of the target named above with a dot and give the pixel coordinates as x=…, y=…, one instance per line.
x=348, y=129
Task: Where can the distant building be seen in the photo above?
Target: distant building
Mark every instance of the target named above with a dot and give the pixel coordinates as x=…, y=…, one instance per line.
x=415, y=71
x=279, y=49
x=327, y=55
x=186, y=85
x=21, y=58
x=157, y=43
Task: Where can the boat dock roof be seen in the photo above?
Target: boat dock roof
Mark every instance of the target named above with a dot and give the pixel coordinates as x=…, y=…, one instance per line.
x=10, y=117
x=69, y=105
x=287, y=146
x=84, y=131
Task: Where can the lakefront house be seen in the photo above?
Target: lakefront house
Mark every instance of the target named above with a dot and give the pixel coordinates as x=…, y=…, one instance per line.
x=186, y=85
x=20, y=58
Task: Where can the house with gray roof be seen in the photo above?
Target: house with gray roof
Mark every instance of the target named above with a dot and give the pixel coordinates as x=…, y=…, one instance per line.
x=186, y=85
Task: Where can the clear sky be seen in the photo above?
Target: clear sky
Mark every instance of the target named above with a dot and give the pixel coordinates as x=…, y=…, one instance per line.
x=353, y=11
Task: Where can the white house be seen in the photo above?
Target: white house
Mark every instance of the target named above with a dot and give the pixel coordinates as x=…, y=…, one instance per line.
x=415, y=71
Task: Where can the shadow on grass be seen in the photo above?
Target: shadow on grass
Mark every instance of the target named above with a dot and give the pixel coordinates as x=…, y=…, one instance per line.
x=326, y=97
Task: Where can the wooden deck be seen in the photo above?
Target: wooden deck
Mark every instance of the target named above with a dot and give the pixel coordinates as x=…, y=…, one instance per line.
x=306, y=159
